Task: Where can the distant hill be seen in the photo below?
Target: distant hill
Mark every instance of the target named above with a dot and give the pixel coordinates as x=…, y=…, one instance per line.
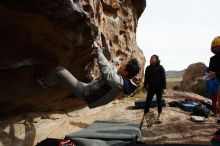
x=174, y=74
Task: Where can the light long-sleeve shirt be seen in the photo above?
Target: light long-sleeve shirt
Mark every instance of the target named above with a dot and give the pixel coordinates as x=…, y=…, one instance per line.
x=108, y=86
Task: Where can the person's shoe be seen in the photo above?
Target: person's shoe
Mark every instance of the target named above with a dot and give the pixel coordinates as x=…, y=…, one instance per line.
x=149, y=122
x=158, y=121
x=141, y=124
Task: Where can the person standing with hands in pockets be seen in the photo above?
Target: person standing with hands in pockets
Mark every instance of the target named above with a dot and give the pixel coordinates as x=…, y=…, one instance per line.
x=154, y=83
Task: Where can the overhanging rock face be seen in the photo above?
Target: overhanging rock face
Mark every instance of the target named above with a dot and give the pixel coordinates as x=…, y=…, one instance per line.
x=36, y=36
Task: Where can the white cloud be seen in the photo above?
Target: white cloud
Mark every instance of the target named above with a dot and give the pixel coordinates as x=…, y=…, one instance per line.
x=180, y=32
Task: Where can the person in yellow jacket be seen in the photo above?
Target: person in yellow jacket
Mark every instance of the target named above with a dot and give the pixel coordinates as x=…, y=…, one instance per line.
x=214, y=67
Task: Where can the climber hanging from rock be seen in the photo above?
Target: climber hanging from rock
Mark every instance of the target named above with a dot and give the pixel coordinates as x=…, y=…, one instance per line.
x=103, y=89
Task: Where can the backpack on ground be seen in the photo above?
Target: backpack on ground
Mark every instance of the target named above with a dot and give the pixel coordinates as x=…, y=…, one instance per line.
x=201, y=110
x=188, y=106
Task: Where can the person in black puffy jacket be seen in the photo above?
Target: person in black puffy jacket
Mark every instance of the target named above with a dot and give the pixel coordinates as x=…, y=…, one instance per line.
x=154, y=83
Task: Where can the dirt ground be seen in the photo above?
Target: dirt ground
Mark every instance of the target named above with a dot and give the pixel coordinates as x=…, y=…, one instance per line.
x=176, y=126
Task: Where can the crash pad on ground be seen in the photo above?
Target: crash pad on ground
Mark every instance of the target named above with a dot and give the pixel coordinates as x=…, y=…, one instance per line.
x=140, y=104
x=106, y=133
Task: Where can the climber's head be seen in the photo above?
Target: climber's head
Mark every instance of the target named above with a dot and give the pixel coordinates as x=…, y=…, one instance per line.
x=215, y=46
x=130, y=69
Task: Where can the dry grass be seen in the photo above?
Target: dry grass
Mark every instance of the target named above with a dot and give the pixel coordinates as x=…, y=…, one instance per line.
x=174, y=79
x=140, y=94
x=171, y=82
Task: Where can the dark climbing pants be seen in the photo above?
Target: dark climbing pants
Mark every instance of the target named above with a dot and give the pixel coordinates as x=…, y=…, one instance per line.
x=150, y=94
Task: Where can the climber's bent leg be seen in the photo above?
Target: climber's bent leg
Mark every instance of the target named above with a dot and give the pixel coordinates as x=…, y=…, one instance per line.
x=75, y=85
x=60, y=73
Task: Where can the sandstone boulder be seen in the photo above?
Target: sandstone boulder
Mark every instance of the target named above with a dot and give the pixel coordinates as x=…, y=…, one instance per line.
x=192, y=75
x=38, y=35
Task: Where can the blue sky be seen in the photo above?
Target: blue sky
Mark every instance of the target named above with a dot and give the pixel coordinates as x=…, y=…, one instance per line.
x=179, y=31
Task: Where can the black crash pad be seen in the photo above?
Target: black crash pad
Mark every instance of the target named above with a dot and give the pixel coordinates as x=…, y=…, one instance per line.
x=140, y=104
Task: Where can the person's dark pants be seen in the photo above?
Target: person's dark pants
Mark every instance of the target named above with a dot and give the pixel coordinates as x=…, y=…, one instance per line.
x=150, y=94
